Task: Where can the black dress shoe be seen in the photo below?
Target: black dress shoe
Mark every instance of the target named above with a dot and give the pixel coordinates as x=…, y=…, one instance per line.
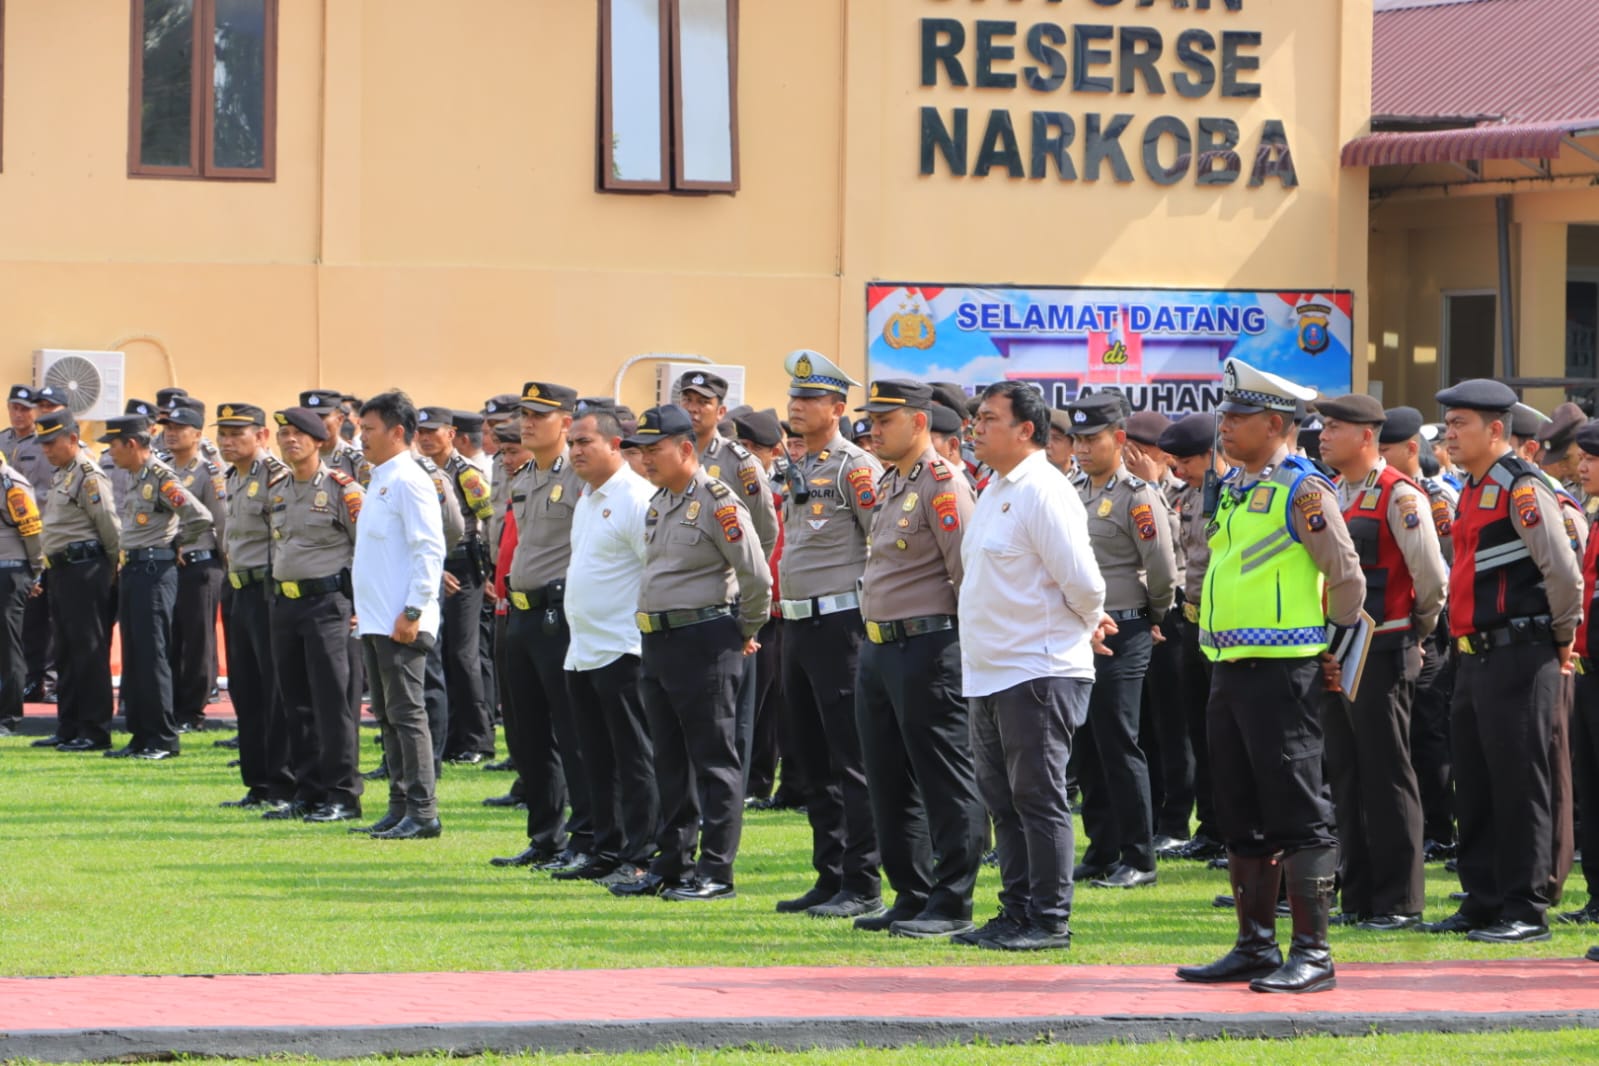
x=248, y=802
x=592, y=870
x=699, y=888
x=1588, y=914
x=233, y=764
x=530, y=857
x=1458, y=922
x=195, y=726
x=1124, y=876
x=846, y=904
x=51, y=741
x=1389, y=923
x=1084, y=871
x=931, y=927
x=382, y=825
x=1167, y=847
x=1030, y=937
x=332, y=812
x=1001, y=925
x=565, y=859
x=411, y=829
x=799, y=905
x=83, y=744
x=1202, y=849
x=1593, y=954
x=648, y=885
x=506, y=800
x=505, y=765
x=466, y=758
x=380, y=773
x=284, y=811
x=154, y=754
x=880, y=922
x=230, y=743
x=1510, y=932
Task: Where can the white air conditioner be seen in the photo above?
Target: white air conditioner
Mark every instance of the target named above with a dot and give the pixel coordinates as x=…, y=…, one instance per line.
x=666, y=375
x=92, y=381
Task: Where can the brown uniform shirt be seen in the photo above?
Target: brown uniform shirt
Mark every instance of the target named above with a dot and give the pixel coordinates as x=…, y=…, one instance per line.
x=81, y=508
x=204, y=480
x=348, y=458
x=543, y=524
x=472, y=494
x=1132, y=538
x=248, y=534
x=1442, y=499
x=702, y=551
x=20, y=528
x=449, y=503
x=1189, y=506
x=26, y=455
x=914, y=568
x=1550, y=546
x=733, y=465
x=313, y=525
x=824, y=534
x=158, y=510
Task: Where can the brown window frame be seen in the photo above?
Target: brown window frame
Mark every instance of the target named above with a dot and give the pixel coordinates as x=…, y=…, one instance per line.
x=671, y=119
x=2, y=81
x=202, y=104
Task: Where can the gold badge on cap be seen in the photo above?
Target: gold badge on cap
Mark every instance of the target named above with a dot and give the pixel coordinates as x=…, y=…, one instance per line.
x=876, y=390
x=226, y=412
x=802, y=367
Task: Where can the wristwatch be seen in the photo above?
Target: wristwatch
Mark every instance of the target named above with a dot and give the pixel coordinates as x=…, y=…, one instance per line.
x=413, y=614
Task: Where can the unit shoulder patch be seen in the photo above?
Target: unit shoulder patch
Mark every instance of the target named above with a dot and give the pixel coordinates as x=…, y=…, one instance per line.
x=727, y=516
x=1143, y=516
x=1525, y=500
x=945, y=507
x=860, y=481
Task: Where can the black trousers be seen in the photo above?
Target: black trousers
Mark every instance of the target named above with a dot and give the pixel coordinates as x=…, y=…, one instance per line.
x=471, y=729
x=310, y=647
x=819, y=659
x=1266, y=756
x=1585, y=772
x=1110, y=765
x=435, y=703
x=194, y=638
x=549, y=755
x=795, y=778
x=1021, y=743
x=688, y=681
x=488, y=657
x=253, y=688
x=1194, y=697
x=916, y=740
x=1429, y=737
x=1163, y=733
x=1502, y=722
x=1374, y=790
x=38, y=638
x=144, y=614
x=81, y=614
x=396, y=672
x=618, y=760
x=760, y=765
x=14, y=587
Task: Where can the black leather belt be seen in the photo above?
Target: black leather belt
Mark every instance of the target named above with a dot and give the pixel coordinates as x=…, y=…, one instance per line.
x=1538, y=629
x=243, y=579
x=150, y=555
x=315, y=586
x=661, y=621
x=536, y=599
x=890, y=632
x=1128, y=615
x=79, y=551
x=204, y=555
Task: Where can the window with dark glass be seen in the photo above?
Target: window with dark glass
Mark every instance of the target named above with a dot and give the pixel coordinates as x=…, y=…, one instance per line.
x=204, y=79
x=669, y=95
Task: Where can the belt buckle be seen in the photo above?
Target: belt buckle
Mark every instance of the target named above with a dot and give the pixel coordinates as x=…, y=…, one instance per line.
x=645, y=624
x=521, y=601
x=874, y=633
x=236, y=580
x=1191, y=611
x=290, y=589
x=1463, y=644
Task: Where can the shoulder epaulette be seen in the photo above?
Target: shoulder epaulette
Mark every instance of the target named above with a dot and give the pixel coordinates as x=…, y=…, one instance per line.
x=941, y=470
x=739, y=450
x=719, y=489
x=344, y=480
x=1134, y=482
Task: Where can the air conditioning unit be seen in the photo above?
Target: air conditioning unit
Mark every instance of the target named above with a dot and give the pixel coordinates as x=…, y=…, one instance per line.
x=666, y=375
x=92, y=381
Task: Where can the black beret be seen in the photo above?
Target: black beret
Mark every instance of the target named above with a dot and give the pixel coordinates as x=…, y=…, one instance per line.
x=1354, y=407
x=468, y=421
x=950, y=395
x=1587, y=437
x=1097, y=411
x=1478, y=394
x=1189, y=436
x=1145, y=427
x=1556, y=434
x=1526, y=421
x=741, y=409
x=893, y=394
x=508, y=432
x=1399, y=425
x=435, y=418
x=760, y=427
x=305, y=420
x=944, y=420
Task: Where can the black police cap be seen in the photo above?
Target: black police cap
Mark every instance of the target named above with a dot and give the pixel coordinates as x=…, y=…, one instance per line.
x=760, y=427
x=124, y=427
x=435, y=417
x=468, y=421
x=543, y=397
x=703, y=382
x=1189, y=436
x=56, y=422
x=1399, y=425
x=240, y=414
x=305, y=420
x=894, y=394
x=1145, y=427
x=659, y=423
x=321, y=400
x=941, y=419
x=1097, y=411
x=1587, y=437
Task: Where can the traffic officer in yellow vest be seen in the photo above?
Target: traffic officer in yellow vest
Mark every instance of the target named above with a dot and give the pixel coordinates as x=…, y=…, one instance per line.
x=254, y=476
x=194, y=618
x=1375, y=795
x=827, y=517
x=706, y=592
x=470, y=734
x=159, y=519
x=1278, y=544
x=81, y=542
x=338, y=453
x=21, y=569
x=313, y=535
x=1131, y=535
x=915, y=727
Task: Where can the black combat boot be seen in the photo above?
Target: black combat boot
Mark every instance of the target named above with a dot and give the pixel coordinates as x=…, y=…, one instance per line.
x=1311, y=877
x=1256, y=954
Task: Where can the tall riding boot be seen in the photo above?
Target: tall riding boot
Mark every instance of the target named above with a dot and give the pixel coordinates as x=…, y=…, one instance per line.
x=1256, y=953
x=1311, y=876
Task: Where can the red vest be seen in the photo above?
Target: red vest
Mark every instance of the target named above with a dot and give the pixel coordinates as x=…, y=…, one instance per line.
x=1590, y=569
x=1494, y=578
x=1390, y=588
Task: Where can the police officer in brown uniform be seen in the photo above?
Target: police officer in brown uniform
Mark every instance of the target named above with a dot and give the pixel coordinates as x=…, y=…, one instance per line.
x=254, y=476
x=1131, y=535
x=80, y=542
x=706, y=593
x=827, y=519
x=159, y=519
x=338, y=453
x=194, y=617
x=21, y=567
x=548, y=752
x=915, y=727
x=313, y=520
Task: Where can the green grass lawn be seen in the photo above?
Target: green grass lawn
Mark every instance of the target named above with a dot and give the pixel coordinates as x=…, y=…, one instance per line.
x=127, y=867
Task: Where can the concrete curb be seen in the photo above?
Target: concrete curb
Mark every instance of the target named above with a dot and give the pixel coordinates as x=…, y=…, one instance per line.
x=88, y=1045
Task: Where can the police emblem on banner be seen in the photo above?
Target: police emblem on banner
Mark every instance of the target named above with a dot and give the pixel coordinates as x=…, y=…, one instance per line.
x=910, y=329
x=1315, y=336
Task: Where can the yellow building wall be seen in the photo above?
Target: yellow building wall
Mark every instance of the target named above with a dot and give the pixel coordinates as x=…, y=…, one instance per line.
x=435, y=224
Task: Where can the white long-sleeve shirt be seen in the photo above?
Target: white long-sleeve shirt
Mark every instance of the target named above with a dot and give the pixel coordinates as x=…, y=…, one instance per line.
x=1032, y=594
x=399, y=548
x=606, y=570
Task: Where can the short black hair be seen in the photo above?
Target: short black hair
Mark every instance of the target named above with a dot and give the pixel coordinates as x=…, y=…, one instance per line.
x=605, y=422
x=1429, y=463
x=474, y=437
x=395, y=409
x=1026, y=405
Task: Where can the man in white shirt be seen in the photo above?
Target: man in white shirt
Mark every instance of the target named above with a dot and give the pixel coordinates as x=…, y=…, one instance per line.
x=1031, y=619
x=397, y=572
x=602, y=660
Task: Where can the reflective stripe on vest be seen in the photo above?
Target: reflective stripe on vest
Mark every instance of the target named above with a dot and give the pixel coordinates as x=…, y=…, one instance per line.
x=1493, y=578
